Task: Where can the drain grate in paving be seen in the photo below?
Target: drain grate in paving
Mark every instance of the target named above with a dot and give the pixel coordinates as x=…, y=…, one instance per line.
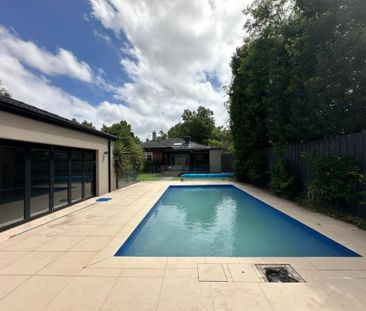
x=283, y=273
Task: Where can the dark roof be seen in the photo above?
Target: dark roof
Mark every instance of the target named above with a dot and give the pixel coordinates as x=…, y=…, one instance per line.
x=175, y=144
x=17, y=107
x=153, y=144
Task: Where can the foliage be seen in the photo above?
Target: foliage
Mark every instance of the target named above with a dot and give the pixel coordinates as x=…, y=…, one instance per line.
x=221, y=139
x=334, y=180
x=176, y=131
x=199, y=125
x=121, y=154
x=4, y=91
x=300, y=75
x=128, y=153
x=122, y=130
x=88, y=124
x=128, y=156
x=282, y=181
x=162, y=136
x=85, y=123
x=247, y=120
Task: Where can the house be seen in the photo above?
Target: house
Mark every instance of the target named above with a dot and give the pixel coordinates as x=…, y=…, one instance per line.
x=177, y=155
x=48, y=162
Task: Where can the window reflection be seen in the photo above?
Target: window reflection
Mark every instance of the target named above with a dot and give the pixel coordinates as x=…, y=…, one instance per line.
x=40, y=180
x=11, y=185
x=60, y=178
x=76, y=175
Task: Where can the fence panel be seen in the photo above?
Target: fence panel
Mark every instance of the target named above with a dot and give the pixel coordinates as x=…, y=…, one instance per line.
x=125, y=177
x=351, y=145
x=226, y=163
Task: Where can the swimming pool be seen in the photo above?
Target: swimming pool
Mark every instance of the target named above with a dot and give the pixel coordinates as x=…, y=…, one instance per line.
x=222, y=220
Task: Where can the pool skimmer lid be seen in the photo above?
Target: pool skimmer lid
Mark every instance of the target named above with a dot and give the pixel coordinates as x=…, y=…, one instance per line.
x=279, y=273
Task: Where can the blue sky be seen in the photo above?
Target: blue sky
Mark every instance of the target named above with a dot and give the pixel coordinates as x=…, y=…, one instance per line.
x=103, y=61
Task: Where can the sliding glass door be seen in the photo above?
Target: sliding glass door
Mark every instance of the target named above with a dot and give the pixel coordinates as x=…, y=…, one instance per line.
x=61, y=178
x=36, y=179
x=12, y=194
x=76, y=175
x=40, y=181
x=89, y=174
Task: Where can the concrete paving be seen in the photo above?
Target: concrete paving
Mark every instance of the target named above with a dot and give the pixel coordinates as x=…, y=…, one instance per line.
x=65, y=261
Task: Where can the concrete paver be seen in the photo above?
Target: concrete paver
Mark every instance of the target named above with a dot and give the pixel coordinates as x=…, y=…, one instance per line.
x=69, y=264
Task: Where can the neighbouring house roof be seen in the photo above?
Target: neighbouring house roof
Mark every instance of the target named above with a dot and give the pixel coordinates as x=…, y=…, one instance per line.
x=17, y=107
x=151, y=144
x=178, y=144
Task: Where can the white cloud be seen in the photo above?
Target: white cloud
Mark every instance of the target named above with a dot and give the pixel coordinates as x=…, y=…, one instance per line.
x=61, y=63
x=175, y=46
x=102, y=36
x=37, y=91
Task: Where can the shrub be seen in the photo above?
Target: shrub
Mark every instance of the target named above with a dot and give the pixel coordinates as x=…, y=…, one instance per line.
x=334, y=180
x=282, y=181
x=252, y=168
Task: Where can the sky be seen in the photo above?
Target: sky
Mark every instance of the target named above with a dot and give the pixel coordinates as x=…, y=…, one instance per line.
x=109, y=60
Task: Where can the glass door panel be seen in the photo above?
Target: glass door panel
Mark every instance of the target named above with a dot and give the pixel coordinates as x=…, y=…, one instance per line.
x=40, y=181
x=76, y=175
x=89, y=174
x=12, y=180
x=61, y=177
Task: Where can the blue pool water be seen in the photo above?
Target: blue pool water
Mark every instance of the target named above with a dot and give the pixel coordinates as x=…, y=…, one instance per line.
x=223, y=221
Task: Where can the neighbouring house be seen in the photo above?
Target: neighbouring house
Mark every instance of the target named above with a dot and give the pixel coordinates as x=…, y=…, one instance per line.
x=176, y=155
x=48, y=162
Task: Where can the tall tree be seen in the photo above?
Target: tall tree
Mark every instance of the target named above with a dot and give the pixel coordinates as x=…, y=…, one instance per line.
x=177, y=131
x=199, y=124
x=247, y=116
x=300, y=75
x=122, y=130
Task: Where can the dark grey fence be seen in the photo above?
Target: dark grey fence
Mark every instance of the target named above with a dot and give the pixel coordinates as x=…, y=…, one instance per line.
x=227, y=163
x=351, y=145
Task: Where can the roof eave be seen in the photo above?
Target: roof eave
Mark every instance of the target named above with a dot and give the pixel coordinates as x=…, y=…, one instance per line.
x=8, y=107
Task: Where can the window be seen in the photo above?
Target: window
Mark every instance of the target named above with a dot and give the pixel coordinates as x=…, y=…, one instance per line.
x=148, y=156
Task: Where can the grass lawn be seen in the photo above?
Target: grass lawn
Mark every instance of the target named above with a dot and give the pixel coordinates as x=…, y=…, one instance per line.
x=152, y=177
x=159, y=176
